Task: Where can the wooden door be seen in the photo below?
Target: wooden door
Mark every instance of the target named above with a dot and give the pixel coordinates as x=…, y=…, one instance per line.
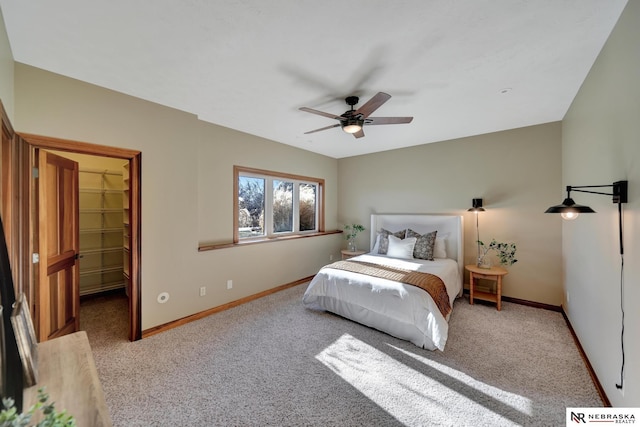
x=57, y=289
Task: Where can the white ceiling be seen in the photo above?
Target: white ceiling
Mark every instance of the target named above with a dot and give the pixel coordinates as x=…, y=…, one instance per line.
x=250, y=64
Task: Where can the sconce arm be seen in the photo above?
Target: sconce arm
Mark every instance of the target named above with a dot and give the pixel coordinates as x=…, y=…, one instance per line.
x=620, y=190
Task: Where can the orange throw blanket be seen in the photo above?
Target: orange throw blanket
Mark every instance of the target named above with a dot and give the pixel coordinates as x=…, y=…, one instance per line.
x=429, y=282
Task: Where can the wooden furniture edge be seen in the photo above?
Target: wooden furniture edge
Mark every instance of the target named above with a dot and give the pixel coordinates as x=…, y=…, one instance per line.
x=200, y=315
x=486, y=296
x=214, y=246
x=68, y=373
x=346, y=254
x=491, y=271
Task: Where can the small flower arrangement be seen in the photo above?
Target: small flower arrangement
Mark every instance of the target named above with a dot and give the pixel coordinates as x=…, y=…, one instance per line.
x=506, y=253
x=352, y=231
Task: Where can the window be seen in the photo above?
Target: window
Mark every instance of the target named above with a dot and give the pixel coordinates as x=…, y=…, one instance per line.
x=271, y=204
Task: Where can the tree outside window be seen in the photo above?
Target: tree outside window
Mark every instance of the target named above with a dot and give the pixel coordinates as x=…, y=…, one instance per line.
x=290, y=207
x=308, y=194
x=251, y=206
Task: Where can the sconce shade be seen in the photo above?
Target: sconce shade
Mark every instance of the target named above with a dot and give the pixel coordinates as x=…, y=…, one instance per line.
x=569, y=206
x=476, y=206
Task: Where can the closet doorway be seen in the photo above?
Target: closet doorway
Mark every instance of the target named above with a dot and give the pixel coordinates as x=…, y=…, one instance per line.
x=109, y=227
x=103, y=223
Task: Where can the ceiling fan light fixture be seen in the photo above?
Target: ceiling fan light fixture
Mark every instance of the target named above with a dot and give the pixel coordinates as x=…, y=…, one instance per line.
x=352, y=121
x=352, y=125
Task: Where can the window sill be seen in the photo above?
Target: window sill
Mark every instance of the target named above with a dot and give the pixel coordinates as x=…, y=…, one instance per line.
x=211, y=247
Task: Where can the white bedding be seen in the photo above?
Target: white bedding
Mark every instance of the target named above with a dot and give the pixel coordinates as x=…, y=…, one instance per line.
x=401, y=310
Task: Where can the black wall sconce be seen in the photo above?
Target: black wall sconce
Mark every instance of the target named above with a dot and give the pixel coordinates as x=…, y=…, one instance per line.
x=570, y=210
x=476, y=206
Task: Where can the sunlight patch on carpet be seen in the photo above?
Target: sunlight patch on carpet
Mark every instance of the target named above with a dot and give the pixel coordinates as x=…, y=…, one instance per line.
x=516, y=401
x=409, y=392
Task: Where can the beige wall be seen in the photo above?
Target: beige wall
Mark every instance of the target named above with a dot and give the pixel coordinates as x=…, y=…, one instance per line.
x=516, y=172
x=6, y=70
x=186, y=191
x=601, y=144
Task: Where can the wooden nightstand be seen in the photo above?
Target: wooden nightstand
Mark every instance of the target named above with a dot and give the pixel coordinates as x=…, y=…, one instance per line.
x=350, y=254
x=493, y=273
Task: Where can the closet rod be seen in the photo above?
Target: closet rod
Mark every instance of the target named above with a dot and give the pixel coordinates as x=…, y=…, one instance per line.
x=101, y=171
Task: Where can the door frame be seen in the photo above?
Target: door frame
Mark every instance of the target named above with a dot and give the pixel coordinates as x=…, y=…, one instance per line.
x=10, y=189
x=27, y=144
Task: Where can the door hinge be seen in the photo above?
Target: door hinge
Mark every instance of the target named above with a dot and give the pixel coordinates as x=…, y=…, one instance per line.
x=35, y=172
x=35, y=258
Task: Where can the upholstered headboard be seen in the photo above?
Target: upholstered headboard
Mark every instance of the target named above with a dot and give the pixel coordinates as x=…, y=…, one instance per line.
x=449, y=227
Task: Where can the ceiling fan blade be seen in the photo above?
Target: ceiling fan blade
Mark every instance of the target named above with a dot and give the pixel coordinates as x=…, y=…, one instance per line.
x=373, y=104
x=359, y=134
x=324, y=128
x=321, y=113
x=388, y=120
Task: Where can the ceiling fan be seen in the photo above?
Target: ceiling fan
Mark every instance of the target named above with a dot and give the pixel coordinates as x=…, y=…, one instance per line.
x=352, y=121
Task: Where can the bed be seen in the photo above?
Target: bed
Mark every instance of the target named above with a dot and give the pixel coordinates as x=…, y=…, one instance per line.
x=379, y=301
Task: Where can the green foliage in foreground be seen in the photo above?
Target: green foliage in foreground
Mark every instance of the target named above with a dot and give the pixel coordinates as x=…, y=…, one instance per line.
x=9, y=416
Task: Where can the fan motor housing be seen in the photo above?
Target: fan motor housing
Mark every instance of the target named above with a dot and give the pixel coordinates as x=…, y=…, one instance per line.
x=352, y=121
x=352, y=100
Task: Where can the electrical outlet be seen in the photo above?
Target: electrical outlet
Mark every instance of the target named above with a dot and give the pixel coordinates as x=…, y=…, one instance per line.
x=331, y=257
x=229, y=284
x=568, y=299
x=203, y=291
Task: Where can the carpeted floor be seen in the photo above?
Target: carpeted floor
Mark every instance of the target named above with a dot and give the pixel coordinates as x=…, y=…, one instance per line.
x=272, y=362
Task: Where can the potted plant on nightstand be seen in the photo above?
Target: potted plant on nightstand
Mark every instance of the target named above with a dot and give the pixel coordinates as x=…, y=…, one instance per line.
x=506, y=253
x=352, y=231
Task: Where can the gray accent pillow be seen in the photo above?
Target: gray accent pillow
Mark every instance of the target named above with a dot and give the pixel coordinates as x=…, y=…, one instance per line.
x=424, y=245
x=384, y=239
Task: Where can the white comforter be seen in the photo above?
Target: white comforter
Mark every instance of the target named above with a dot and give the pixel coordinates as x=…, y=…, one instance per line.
x=399, y=309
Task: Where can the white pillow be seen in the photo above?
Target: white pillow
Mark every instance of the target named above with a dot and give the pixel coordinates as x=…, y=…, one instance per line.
x=439, y=250
x=376, y=245
x=401, y=248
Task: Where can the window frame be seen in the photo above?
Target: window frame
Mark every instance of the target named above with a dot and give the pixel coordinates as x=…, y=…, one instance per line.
x=269, y=177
